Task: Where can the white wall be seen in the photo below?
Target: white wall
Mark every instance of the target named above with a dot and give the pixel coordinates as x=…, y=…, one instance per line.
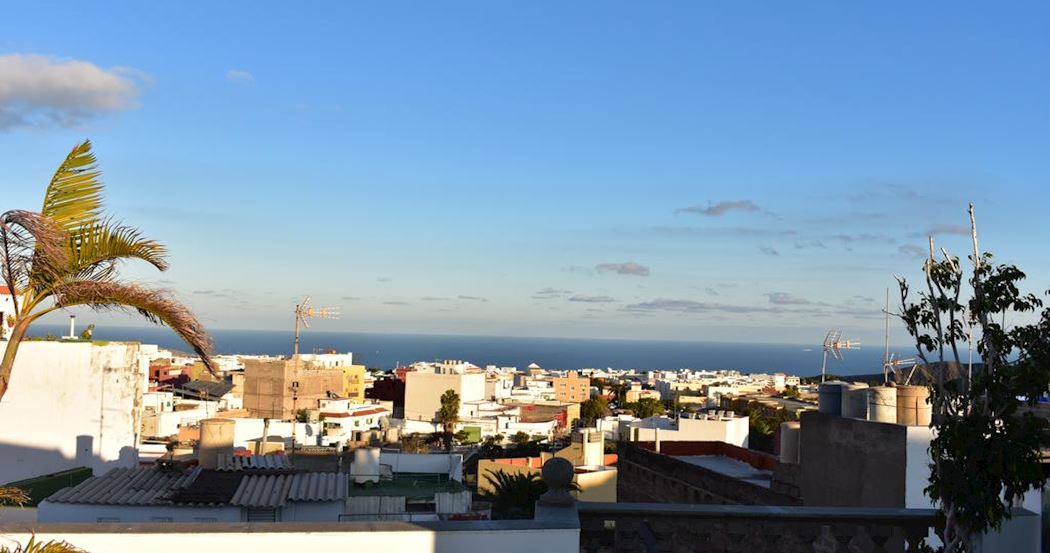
x=437, y=463
x=70, y=405
x=733, y=431
x=76, y=512
x=267, y=538
x=423, y=391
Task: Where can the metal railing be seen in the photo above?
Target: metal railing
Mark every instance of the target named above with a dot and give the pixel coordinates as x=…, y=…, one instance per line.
x=668, y=527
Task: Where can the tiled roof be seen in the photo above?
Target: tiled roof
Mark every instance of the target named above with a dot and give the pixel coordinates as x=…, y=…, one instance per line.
x=209, y=488
x=361, y=413
x=150, y=486
x=137, y=486
x=231, y=462
x=4, y=290
x=274, y=490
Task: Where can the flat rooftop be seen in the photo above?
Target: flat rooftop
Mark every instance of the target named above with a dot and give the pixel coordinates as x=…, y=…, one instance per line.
x=730, y=467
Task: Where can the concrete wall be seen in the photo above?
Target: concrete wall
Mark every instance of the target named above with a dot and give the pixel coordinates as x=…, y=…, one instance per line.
x=436, y=463
x=648, y=477
x=439, y=537
x=853, y=463
x=69, y=405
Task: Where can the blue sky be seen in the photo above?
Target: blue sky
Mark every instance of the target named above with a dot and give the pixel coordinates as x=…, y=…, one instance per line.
x=707, y=171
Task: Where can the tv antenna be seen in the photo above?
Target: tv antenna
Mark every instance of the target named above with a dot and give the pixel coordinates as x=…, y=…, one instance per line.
x=835, y=345
x=892, y=366
x=303, y=313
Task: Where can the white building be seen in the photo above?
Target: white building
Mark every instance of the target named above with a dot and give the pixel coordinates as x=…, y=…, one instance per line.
x=72, y=404
x=423, y=390
x=731, y=429
x=7, y=307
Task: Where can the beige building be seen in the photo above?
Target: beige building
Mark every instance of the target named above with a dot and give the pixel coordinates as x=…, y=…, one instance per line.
x=277, y=388
x=423, y=391
x=572, y=388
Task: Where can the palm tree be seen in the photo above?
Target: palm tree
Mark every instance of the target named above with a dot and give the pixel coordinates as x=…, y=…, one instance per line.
x=35, y=546
x=68, y=254
x=448, y=416
x=514, y=496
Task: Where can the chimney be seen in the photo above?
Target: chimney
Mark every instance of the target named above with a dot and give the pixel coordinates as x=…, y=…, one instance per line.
x=72, y=326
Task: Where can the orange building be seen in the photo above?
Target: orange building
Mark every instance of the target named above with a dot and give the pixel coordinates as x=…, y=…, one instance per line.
x=572, y=388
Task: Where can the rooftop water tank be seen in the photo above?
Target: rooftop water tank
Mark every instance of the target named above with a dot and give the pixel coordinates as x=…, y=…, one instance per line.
x=216, y=439
x=365, y=467
x=790, y=433
x=855, y=400
x=882, y=404
x=830, y=397
x=912, y=409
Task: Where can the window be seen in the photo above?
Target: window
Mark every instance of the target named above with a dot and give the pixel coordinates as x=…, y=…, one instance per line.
x=205, y=519
x=160, y=519
x=261, y=515
x=107, y=519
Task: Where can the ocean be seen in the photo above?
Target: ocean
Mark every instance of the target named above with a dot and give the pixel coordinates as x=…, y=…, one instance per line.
x=386, y=351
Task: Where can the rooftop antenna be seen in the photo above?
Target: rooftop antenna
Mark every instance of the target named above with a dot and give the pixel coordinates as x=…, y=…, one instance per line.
x=303, y=313
x=834, y=344
x=892, y=366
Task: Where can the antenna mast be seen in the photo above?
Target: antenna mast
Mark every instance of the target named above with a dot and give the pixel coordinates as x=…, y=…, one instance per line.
x=835, y=345
x=303, y=312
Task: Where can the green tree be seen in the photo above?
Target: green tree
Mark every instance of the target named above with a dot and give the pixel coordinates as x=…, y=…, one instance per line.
x=448, y=416
x=593, y=409
x=647, y=407
x=520, y=439
x=492, y=446
x=67, y=255
x=986, y=447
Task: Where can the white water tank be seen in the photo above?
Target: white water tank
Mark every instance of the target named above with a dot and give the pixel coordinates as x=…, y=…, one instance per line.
x=216, y=439
x=365, y=467
x=882, y=404
x=855, y=400
x=790, y=433
x=912, y=409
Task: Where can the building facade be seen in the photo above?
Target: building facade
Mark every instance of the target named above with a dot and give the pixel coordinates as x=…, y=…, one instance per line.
x=572, y=388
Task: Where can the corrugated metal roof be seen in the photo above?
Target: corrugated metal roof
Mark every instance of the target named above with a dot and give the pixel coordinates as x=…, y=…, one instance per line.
x=262, y=490
x=274, y=490
x=135, y=486
x=231, y=462
x=318, y=486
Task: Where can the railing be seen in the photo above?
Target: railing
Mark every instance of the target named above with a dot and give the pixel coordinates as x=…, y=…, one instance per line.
x=666, y=527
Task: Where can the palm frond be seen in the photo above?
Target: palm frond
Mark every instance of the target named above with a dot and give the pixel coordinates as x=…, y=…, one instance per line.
x=96, y=249
x=32, y=247
x=35, y=546
x=157, y=306
x=13, y=496
x=74, y=196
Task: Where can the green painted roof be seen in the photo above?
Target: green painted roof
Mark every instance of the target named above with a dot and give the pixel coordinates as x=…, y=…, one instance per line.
x=409, y=488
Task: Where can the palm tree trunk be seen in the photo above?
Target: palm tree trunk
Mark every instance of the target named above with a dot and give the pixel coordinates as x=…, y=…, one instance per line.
x=13, y=341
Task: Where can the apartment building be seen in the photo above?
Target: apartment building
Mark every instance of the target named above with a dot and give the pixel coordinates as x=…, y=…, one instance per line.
x=572, y=388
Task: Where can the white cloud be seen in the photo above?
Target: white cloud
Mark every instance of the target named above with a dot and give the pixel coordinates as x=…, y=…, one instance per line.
x=37, y=90
x=239, y=76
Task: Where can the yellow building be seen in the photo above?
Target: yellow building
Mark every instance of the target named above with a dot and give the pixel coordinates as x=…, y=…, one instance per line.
x=353, y=382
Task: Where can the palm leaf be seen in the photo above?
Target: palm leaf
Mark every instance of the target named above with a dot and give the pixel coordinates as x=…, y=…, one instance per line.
x=32, y=247
x=74, y=196
x=155, y=305
x=96, y=249
x=35, y=546
x=13, y=496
